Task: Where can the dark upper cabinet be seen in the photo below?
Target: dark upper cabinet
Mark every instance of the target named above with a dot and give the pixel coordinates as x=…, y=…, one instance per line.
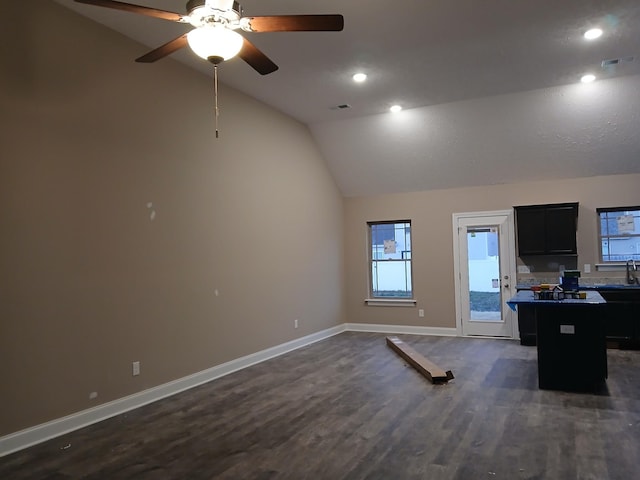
x=547, y=229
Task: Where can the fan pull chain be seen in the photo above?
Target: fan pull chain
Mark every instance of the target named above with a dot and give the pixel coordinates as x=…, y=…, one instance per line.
x=215, y=92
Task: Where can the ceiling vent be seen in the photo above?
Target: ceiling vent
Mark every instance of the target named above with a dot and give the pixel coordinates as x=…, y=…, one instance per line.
x=612, y=62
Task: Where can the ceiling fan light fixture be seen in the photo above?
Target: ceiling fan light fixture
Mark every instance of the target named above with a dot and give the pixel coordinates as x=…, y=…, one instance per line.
x=215, y=42
x=359, y=77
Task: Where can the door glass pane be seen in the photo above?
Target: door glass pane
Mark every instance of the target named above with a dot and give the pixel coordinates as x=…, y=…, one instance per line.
x=483, y=253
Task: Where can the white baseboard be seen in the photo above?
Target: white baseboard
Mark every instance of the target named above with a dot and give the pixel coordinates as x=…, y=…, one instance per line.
x=401, y=329
x=46, y=431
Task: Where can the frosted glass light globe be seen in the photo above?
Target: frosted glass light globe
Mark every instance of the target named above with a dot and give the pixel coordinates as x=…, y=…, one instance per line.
x=215, y=42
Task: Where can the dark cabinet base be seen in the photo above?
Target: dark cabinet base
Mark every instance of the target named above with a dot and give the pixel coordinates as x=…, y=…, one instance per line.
x=572, y=352
x=527, y=324
x=622, y=312
x=623, y=343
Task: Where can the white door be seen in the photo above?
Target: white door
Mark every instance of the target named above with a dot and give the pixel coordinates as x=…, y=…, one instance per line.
x=484, y=254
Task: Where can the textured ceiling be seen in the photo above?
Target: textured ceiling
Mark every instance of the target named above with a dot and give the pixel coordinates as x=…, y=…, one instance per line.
x=489, y=87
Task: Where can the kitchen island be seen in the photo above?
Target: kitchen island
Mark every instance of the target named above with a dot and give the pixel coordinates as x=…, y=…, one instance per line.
x=622, y=315
x=572, y=351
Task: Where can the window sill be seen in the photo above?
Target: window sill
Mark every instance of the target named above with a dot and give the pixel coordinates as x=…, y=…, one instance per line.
x=390, y=302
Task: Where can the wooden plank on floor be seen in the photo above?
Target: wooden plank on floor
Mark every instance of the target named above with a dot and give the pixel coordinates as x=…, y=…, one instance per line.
x=434, y=373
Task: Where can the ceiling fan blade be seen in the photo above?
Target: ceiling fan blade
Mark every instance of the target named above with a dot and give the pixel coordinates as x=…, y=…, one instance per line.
x=166, y=49
x=297, y=23
x=256, y=59
x=128, y=7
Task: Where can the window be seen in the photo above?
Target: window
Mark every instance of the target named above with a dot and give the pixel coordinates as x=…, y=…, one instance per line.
x=619, y=233
x=390, y=256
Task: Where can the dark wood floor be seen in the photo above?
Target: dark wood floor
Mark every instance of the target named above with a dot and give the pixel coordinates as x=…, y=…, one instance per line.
x=349, y=408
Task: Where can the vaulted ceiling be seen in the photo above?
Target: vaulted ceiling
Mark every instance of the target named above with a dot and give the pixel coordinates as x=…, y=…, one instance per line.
x=490, y=89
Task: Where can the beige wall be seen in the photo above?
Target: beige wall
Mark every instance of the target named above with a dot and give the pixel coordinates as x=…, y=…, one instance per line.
x=88, y=282
x=432, y=237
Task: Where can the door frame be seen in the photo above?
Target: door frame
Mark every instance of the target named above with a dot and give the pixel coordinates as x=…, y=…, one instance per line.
x=510, y=262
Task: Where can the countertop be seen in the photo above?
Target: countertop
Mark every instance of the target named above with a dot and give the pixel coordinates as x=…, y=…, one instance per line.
x=594, y=286
x=610, y=286
x=526, y=297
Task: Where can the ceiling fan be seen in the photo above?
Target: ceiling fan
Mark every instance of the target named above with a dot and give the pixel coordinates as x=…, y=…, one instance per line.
x=214, y=36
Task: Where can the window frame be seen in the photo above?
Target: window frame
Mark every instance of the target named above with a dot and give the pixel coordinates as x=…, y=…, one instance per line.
x=607, y=210
x=406, y=258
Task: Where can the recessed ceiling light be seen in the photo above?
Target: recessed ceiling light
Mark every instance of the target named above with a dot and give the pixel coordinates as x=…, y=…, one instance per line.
x=588, y=78
x=359, y=77
x=593, y=33
x=395, y=109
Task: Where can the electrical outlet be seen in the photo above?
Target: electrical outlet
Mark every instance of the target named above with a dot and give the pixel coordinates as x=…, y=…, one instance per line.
x=135, y=368
x=295, y=323
x=421, y=312
x=93, y=395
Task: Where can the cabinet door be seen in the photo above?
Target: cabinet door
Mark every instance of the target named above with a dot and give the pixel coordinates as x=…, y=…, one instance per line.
x=620, y=314
x=527, y=324
x=561, y=229
x=635, y=312
x=531, y=228
x=619, y=321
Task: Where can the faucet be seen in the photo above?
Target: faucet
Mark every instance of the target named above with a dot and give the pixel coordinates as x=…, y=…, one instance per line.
x=632, y=268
